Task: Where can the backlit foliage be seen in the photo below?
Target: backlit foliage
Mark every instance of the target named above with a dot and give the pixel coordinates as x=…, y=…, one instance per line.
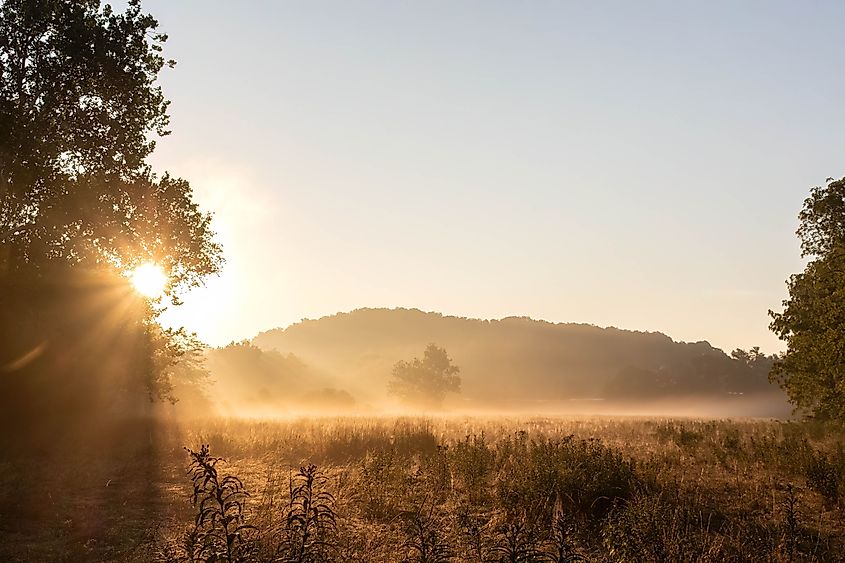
x=812, y=319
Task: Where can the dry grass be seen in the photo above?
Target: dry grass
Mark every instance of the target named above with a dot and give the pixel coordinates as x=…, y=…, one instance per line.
x=532, y=489
x=473, y=489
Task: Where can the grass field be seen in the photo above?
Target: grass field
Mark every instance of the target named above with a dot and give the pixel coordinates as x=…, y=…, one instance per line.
x=432, y=489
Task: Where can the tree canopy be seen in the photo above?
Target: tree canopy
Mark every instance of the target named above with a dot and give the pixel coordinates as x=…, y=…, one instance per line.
x=425, y=382
x=80, y=206
x=79, y=110
x=812, y=371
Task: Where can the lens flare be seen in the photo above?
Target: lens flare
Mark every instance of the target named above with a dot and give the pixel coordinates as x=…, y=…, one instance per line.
x=149, y=280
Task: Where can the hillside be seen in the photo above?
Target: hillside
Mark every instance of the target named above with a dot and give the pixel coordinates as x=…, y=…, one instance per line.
x=515, y=359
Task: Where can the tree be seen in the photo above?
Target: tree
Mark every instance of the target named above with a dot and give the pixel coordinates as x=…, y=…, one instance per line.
x=425, y=382
x=79, y=112
x=754, y=369
x=812, y=370
x=79, y=107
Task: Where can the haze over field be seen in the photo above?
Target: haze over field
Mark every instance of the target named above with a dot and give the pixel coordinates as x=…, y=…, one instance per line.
x=343, y=363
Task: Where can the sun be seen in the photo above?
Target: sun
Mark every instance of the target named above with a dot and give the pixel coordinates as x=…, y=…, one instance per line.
x=149, y=280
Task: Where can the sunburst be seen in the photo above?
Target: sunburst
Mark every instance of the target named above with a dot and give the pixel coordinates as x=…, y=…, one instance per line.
x=149, y=280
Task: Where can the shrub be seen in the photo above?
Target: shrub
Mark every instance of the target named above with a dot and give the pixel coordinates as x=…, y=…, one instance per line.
x=379, y=471
x=517, y=539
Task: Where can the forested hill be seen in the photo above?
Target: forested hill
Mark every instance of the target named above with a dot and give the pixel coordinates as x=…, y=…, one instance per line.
x=516, y=358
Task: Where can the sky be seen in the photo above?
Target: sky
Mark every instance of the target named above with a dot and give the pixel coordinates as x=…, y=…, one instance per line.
x=629, y=164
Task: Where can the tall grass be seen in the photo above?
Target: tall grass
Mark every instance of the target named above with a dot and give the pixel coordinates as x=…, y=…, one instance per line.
x=493, y=490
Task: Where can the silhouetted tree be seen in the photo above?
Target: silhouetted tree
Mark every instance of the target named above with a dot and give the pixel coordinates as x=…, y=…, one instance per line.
x=811, y=324
x=425, y=382
x=78, y=105
x=755, y=367
x=79, y=110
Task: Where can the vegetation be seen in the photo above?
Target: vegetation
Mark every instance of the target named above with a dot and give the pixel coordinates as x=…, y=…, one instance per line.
x=555, y=489
x=425, y=382
x=813, y=316
x=78, y=103
x=80, y=207
x=219, y=533
x=515, y=362
x=443, y=489
x=247, y=379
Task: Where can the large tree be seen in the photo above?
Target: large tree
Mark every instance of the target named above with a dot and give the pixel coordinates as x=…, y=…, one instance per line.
x=812, y=370
x=80, y=108
x=425, y=382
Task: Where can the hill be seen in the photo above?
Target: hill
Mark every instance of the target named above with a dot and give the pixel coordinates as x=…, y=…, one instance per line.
x=516, y=359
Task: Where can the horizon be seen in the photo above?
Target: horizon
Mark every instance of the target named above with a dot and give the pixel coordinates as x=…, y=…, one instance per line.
x=608, y=164
x=465, y=318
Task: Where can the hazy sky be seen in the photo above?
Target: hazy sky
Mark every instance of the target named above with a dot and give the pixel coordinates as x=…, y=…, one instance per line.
x=635, y=164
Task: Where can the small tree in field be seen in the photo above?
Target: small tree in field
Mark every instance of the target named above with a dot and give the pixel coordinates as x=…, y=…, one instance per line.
x=425, y=382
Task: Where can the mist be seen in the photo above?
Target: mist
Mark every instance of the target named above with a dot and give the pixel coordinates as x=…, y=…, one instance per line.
x=421, y=282
x=342, y=364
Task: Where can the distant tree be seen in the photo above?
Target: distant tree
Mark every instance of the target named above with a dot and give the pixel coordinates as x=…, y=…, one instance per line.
x=425, y=382
x=753, y=358
x=754, y=369
x=812, y=371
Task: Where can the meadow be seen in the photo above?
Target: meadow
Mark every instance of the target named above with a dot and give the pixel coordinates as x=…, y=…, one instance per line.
x=482, y=489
